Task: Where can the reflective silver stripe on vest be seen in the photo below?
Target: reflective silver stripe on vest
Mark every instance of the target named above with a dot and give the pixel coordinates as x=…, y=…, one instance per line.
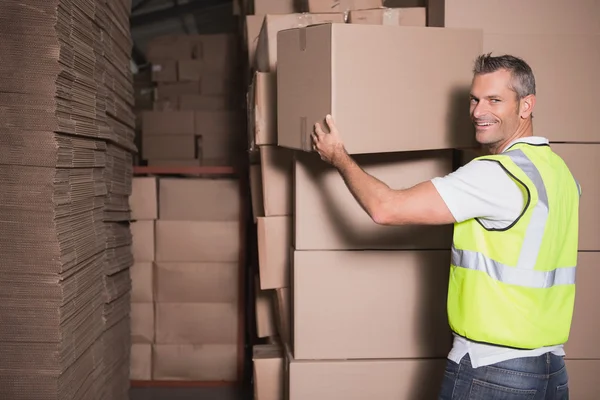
x=511, y=275
x=523, y=274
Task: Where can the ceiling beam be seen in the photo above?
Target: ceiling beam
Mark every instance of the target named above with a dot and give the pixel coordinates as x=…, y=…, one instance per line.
x=175, y=11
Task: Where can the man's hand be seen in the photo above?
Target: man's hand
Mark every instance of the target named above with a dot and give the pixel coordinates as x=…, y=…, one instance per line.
x=329, y=145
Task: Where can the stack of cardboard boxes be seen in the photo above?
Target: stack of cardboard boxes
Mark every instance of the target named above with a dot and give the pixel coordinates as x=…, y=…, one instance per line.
x=197, y=117
x=366, y=300
x=186, y=279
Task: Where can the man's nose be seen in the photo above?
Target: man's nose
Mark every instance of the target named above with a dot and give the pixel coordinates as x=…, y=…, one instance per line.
x=479, y=110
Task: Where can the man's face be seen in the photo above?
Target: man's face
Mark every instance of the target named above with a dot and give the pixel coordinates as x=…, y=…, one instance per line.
x=495, y=110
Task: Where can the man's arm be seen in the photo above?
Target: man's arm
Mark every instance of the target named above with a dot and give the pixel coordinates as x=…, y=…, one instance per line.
x=420, y=204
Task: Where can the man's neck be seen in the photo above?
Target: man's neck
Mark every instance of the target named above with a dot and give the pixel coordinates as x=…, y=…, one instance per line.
x=524, y=130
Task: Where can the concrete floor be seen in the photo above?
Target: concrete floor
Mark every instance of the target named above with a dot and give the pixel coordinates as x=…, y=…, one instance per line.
x=217, y=393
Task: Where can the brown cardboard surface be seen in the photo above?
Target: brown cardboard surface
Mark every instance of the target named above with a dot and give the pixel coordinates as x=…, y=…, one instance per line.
x=192, y=162
x=364, y=379
x=218, y=123
x=283, y=313
x=253, y=25
x=205, y=102
x=411, y=16
x=582, y=159
x=196, y=323
x=167, y=90
x=264, y=109
x=389, y=304
x=341, y=68
x=274, y=241
x=143, y=241
x=164, y=71
x=195, y=362
x=144, y=198
x=555, y=17
x=266, y=48
x=583, y=379
x=195, y=199
x=327, y=217
x=256, y=192
x=142, y=323
x=274, y=6
x=583, y=339
x=141, y=362
x=142, y=282
x=268, y=369
x=265, y=312
x=197, y=282
x=173, y=47
x=190, y=70
x=169, y=147
x=168, y=123
x=197, y=241
x=277, y=180
x=325, y=6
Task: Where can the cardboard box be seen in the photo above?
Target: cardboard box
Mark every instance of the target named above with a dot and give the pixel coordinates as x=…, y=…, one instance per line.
x=364, y=379
x=164, y=71
x=144, y=198
x=274, y=241
x=263, y=110
x=196, y=323
x=341, y=68
x=169, y=90
x=143, y=240
x=171, y=47
x=142, y=282
x=413, y=16
x=253, y=25
x=193, y=199
x=190, y=70
x=265, y=312
x=283, y=314
x=327, y=217
x=389, y=304
x=212, y=84
x=586, y=319
x=256, y=192
x=174, y=147
x=168, y=123
x=583, y=378
x=405, y=3
x=325, y=6
x=266, y=48
x=581, y=160
x=555, y=41
x=142, y=323
x=207, y=363
x=192, y=162
x=207, y=282
x=140, y=368
x=219, y=52
x=274, y=7
x=277, y=181
x=205, y=102
x=197, y=241
x=268, y=369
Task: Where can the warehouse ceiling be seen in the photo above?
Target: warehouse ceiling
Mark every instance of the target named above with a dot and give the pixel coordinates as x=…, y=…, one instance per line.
x=152, y=18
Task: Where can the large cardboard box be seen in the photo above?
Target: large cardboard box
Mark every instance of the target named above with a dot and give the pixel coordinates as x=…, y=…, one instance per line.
x=168, y=123
x=141, y=362
x=169, y=147
x=277, y=180
x=556, y=40
x=412, y=16
x=265, y=311
x=393, y=379
x=142, y=282
x=262, y=121
x=325, y=6
x=143, y=241
x=283, y=314
x=584, y=161
x=144, y=198
x=327, y=217
x=266, y=48
x=253, y=25
x=370, y=304
x=142, y=323
x=209, y=363
x=339, y=69
x=196, y=323
x=199, y=199
x=256, y=192
x=169, y=90
x=583, y=339
x=197, y=241
x=274, y=242
x=204, y=102
x=171, y=47
x=583, y=379
x=190, y=70
x=207, y=282
x=164, y=71
x=268, y=370
x=274, y=6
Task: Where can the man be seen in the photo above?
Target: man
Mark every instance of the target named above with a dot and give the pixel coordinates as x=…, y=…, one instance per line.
x=515, y=215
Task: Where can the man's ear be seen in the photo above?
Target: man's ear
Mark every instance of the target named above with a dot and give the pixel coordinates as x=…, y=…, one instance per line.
x=526, y=106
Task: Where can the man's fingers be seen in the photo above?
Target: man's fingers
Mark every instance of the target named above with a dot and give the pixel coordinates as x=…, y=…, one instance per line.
x=318, y=130
x=331, y=124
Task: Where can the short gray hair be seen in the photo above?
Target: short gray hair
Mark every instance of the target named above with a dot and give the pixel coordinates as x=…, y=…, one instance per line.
x=523, y=81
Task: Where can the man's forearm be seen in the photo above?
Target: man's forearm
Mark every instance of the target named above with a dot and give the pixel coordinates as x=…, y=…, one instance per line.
x=369, y=192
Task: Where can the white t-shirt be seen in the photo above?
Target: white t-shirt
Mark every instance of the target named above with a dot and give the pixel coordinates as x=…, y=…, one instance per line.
x=482, y=189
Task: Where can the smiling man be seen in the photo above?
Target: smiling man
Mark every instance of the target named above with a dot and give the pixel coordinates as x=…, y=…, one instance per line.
x=515, y=215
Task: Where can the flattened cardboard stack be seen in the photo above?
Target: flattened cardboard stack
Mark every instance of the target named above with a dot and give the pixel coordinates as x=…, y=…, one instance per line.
x=55, y=158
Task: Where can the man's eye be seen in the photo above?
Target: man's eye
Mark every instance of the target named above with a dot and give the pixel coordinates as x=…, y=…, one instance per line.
x=494, y=101
x=473, y=100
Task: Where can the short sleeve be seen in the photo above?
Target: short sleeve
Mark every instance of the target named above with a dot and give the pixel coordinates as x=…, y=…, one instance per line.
x=481, y=189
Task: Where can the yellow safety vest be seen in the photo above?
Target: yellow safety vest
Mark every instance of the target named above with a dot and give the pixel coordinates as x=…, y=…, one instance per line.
x=515, y=287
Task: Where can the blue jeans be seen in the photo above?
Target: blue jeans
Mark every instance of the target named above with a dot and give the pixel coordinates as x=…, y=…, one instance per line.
x=528, y=378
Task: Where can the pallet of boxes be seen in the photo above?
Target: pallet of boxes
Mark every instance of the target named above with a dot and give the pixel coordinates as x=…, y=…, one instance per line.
x=360, y=308
x=197, y=116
